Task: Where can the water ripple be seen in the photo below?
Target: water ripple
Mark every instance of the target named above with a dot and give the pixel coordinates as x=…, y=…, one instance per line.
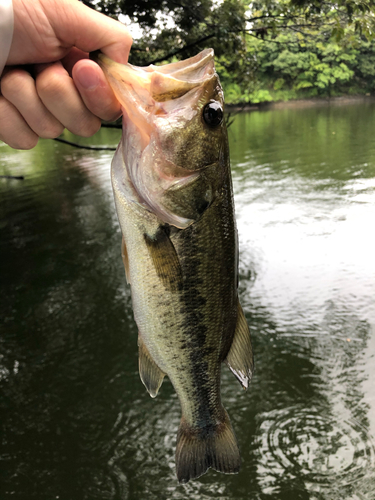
x=313, y=447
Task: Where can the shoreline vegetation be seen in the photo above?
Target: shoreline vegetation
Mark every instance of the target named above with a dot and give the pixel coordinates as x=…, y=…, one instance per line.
x=291, y=69
x=300, y=103
x=278, y=53
x=267, y=54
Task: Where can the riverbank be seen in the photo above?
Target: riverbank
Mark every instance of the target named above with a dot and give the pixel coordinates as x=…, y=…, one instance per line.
x=301, y=103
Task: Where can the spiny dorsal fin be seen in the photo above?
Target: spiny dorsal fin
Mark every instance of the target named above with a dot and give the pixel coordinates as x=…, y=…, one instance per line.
x=200, y=448
x=240, y=357
x=150, y=373
x=125, y=259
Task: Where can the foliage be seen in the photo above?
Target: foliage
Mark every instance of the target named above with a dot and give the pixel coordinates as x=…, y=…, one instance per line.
x=197, y=24
x=308, y=64
x=266, y=49
x=292, y=66
x=223, y=23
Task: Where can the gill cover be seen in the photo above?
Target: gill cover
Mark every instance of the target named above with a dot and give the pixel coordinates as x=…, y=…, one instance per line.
x=174, y=139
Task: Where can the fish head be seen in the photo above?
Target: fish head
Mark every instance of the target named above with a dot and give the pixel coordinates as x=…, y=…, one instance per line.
x=174, y=146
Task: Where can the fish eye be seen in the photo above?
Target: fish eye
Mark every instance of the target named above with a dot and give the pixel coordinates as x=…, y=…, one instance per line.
x=213, y=114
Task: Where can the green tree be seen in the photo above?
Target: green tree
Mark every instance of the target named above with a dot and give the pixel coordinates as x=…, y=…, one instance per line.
x=223, y=24
x=294, y=45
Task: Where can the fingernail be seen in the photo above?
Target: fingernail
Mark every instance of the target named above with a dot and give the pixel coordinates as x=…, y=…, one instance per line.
x=87, y=78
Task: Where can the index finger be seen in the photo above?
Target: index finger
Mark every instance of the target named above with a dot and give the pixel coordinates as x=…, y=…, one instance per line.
x=89, y=30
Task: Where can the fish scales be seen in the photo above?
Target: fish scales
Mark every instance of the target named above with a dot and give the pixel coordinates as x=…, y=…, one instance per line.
x=190, y=333
x=173, y=193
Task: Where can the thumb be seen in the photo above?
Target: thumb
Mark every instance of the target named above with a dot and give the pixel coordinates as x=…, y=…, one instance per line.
x=77, y=25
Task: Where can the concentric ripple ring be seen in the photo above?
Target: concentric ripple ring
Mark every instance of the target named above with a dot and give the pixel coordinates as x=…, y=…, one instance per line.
x=314, y=446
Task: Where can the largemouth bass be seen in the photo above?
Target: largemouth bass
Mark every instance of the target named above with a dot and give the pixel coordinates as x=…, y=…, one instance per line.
x=173, y=192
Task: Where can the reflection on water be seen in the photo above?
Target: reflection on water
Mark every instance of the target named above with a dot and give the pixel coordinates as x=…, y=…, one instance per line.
x=76, y=422
x=308, y=445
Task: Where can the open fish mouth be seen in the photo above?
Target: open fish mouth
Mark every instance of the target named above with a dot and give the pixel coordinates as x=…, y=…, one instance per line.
x=161, y=83
x=140, y=90
x=160, y=105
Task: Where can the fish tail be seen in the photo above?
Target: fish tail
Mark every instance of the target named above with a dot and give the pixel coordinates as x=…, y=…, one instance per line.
x=198, y=449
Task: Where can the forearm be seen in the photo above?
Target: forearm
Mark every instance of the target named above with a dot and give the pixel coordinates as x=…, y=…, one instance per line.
x=6, y=31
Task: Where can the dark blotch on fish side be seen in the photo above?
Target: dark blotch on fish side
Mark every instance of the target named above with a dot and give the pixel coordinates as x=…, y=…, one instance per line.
x=194, y=329
x=204, y=204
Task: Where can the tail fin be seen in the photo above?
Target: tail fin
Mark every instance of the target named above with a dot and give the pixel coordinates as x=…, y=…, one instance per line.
x=199, y=449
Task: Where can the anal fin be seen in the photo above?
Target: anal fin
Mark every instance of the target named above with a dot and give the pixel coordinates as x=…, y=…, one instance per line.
x=125, y=260
x=151, y=375
x=240, y=357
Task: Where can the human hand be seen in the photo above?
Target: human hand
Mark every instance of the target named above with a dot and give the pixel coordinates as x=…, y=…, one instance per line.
x=60, y=87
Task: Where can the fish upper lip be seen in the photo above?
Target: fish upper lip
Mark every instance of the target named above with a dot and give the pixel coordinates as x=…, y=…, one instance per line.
x=160, y=84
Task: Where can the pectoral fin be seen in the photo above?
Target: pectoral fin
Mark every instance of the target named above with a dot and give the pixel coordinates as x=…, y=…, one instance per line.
x=165, y=258
x=150, y=373
x=240, y=356
x=125, y=260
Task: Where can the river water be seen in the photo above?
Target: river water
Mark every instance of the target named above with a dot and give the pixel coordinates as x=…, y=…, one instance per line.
x=75, y=420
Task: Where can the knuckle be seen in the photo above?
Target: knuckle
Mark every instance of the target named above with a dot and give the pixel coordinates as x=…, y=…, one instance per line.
x=48, y=84
x=13, y=129
x=50, y=131
x=14, y=82
x=3, y=110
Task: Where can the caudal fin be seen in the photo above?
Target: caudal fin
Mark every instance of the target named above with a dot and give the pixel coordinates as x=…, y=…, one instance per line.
x=199, y=449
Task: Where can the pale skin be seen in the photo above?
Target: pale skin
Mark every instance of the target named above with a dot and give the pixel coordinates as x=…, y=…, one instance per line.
x=60, y=88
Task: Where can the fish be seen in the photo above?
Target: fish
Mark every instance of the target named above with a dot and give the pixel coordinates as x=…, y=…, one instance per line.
x=173, y=192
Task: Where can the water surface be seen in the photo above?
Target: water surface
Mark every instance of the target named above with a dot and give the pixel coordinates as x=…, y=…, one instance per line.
x=75, y=420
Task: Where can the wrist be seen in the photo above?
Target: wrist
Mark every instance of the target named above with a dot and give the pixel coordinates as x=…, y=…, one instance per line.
x=6, y=30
